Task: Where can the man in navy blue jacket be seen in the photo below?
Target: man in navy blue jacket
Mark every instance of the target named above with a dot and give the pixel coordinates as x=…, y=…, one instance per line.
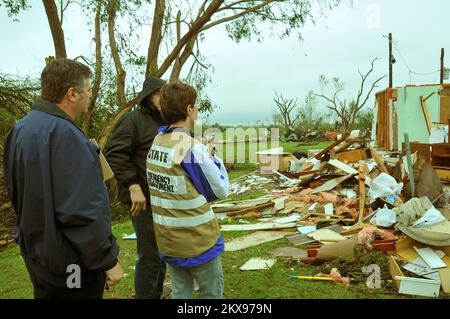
x=55, y=184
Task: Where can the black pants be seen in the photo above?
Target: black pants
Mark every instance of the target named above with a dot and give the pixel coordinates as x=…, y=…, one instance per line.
x=89, y=290
x=150, y=270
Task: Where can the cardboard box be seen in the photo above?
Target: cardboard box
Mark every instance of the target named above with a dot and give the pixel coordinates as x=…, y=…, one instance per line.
x=352, y=156
x=274, y=160
x=106, y=169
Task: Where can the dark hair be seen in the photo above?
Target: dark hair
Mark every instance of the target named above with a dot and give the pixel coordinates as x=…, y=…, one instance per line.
x=175, y=97
x=59, y=76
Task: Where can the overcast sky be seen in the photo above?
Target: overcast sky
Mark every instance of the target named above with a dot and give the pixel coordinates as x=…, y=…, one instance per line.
x=247, y=74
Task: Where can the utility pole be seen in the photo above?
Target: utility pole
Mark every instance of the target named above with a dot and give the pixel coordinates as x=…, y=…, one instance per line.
x=442, y=65
x=390, y=60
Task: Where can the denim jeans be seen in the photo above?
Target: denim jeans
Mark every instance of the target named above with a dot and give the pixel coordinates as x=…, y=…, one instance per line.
x=150, y=270
x=208, y=276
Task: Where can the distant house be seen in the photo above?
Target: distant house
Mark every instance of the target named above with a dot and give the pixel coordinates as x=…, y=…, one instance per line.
x=423, y=111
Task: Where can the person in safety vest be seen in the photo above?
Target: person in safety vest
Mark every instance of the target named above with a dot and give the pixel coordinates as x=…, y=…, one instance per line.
x=183, y=178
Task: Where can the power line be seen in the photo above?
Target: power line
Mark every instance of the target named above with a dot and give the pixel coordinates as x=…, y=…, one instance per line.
x=397, y=48
x=403, y=59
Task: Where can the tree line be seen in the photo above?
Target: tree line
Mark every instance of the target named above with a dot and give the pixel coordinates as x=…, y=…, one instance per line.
x=176, y=31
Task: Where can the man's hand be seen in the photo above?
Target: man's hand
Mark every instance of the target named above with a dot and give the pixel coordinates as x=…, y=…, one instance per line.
x=138, y=199
x=114, y=275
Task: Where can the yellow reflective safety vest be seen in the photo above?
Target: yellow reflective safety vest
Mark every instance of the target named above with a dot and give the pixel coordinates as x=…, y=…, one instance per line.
x=185, y=225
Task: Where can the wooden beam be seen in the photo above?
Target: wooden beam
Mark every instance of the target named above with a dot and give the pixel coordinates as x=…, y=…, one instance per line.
x=362, y=192
x=256, y=208
x=348, y=169
x=426, y=114
x=300, y=174
x=410, y=165
x=377, y=158
x=428, y=96
x=442, y=66
x=362, y=201
x=352, y=156
x=329, y=148
x=443, y=173
x=331, y=184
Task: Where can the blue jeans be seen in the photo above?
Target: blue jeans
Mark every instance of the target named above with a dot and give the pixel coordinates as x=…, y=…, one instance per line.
x=209, y=278
x=150, y=270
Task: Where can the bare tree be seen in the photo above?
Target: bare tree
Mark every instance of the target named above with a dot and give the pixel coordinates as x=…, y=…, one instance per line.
x=55, y=23
x=177, y=28
x=87, y=119
x=347, y=109
x=286, y=106
x=241, y=17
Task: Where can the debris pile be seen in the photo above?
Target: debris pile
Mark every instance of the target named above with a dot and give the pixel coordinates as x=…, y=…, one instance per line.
x=347, y=198
x=249, y=183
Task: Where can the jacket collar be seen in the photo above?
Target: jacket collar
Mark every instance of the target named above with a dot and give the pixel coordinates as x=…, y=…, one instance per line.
x=53, y=109
x=166, y=129
x=152, y=110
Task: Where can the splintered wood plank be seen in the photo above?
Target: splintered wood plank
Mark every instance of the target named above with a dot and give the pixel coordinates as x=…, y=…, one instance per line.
x=251, y=209
x=445, y=279
x=362, y=200
x=377, y=158
x=426, y=114
x=261, y=226
x=395, y=270
x=331, y=184
x=443, y=173
x=258, y=264
x=302, y=239
x=419, y=286
x=430, y=257
x=352, y=156
x=251, y=240
x=362, y=193
x=405, y=250
x=330, y=147
x=348, y=169
x=326, y=235
x=289, y=251
x=342, y=218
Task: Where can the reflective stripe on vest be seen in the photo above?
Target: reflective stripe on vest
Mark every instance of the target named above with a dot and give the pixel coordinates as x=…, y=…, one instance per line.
x=178, y=204
x=183, y=221
x=166, y=183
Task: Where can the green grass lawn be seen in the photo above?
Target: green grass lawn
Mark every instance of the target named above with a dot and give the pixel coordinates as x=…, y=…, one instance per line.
x=244, y=153
x=272, y=283
x=265, y=284
x=243, y=163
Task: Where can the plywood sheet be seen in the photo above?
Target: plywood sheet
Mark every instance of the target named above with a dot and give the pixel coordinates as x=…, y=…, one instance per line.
x=445, y=109
x=251, y=240
x=430, y=258
x=331, y=184
x=395, y=270
x=326, y=235
x=293, y=252
x=261, y=226
x=258, y=264
x=349, y=170
x=444, y=275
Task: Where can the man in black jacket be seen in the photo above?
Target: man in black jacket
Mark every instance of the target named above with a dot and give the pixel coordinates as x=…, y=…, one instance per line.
x=55, y=184
x=126, y=153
